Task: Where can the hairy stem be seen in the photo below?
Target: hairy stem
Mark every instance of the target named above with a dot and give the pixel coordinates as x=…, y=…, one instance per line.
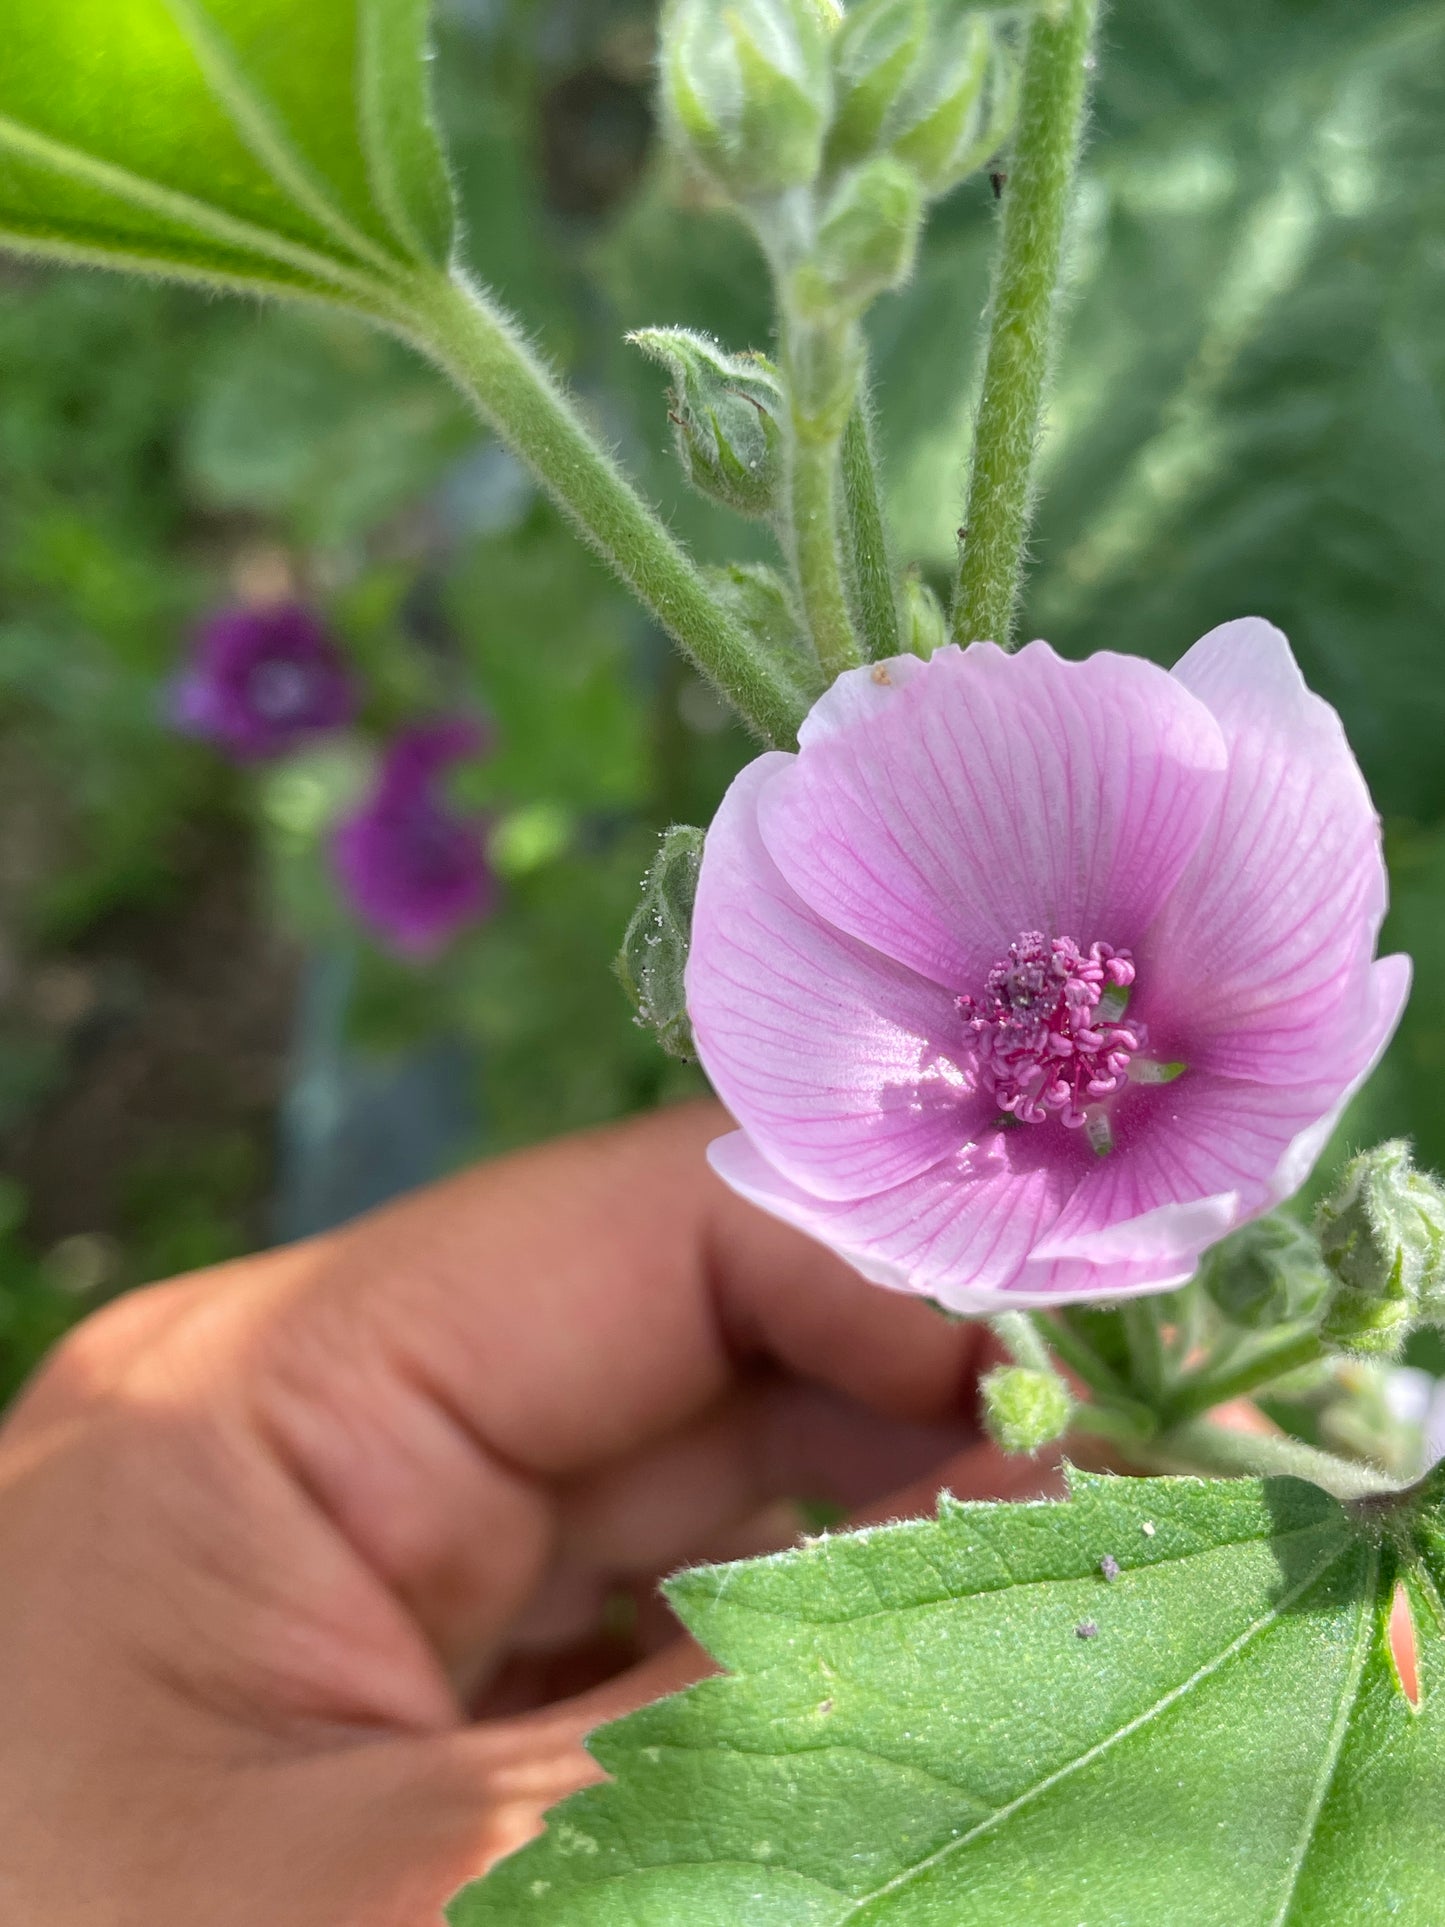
x=1022, y=318
x=1238, y=1377
x=1023, y=1341
x=1201, y=1447
x=876, y=600
x=479, y=348
x=816, y=552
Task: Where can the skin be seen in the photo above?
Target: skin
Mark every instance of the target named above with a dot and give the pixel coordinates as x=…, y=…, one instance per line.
x=314, y=1565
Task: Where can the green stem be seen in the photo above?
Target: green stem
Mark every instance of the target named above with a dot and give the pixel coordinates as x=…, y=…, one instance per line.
x=1146, y=1348
x=1021, y=1339
x=1081, y=1358
x=1238, y=1377
x=1023, y=310
x=1200, y=1447
x=816, y=552
x=877, y=602
x=481, y=350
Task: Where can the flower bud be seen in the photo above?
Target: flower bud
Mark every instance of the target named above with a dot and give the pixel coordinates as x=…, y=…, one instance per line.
x=1024, y=1410
x=925, y=627
x=875, y=54
x=1267, y=1273
x=653, y=957
x=761, y=601
x=965, y=106
x=1383, y=1238
x=725, y=410
x=866, y=241
x=747, y=90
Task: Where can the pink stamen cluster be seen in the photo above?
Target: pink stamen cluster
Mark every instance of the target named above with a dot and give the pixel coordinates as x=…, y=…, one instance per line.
x=1042, y=1043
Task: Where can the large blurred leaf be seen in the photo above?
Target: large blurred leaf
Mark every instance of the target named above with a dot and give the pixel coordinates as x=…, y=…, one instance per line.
x=1166, y=1701
x=238, y=141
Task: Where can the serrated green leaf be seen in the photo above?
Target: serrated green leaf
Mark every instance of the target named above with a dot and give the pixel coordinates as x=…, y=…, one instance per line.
x=974, y=1720
x=245, y=142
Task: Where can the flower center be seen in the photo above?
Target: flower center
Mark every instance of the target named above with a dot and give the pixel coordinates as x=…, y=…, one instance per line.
x=1047, y=1030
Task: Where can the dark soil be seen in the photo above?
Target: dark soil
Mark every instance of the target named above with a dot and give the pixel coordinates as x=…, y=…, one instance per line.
x=171, y=1026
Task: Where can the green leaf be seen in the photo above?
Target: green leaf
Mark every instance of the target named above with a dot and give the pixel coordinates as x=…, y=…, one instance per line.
x=974, y=1720
x=241, y=142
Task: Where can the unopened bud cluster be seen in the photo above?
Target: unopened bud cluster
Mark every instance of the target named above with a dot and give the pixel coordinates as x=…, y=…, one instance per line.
x=829, y=130
x=771, y=95
x=1382, y=1234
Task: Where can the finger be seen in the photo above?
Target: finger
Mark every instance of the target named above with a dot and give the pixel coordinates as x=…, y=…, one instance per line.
x=435, y=1372
x=534, y=1760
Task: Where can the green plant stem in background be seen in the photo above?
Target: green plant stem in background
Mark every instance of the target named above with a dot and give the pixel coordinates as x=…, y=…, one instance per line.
x=873, y=580
x=1238, y=1377
x=1080, y=1357
x=1022, y=317
x=482, y=352
x=1148, y=1364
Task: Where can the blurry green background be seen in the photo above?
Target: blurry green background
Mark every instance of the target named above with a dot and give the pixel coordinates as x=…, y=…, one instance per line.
x=197, y=1053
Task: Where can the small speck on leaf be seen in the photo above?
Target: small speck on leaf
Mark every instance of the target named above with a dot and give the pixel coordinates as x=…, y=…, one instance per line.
x=1147, y=1528
x=1109, y=1566
x=1086, y=1629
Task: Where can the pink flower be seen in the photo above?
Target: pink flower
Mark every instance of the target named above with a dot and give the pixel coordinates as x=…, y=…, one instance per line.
x=1030, y=979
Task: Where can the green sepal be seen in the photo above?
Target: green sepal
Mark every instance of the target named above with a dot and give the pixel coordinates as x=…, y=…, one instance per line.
x=653, y=959
x=875, y=54
x=966, y=104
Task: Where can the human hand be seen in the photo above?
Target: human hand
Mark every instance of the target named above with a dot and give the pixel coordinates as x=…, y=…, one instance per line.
x=306, y=1558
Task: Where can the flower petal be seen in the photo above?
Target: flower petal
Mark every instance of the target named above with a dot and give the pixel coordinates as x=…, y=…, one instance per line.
x=1263, y=948
x=960, y=1232
x=833, y=1057
x=1198, y=1157
x=979, y=795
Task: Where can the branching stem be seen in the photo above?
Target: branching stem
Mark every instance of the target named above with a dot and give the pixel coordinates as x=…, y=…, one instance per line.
x=483, y=353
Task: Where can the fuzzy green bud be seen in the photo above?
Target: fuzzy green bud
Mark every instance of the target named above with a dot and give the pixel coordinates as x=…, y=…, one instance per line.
x=866, y=241
x=965, y=104
x=747, y=90
x=1267, y=1273
x=1025, y=1410
x=726, y=411
x=653, y=957
x=925, y=626
x=1383, y=1237
x=875, y=55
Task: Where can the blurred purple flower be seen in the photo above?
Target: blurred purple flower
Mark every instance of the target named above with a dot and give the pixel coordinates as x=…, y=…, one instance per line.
x=414, y=868
x=1027, y=979
x=261, y=681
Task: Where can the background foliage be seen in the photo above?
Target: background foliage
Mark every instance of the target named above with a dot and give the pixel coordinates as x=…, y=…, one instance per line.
x=196, y=1052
